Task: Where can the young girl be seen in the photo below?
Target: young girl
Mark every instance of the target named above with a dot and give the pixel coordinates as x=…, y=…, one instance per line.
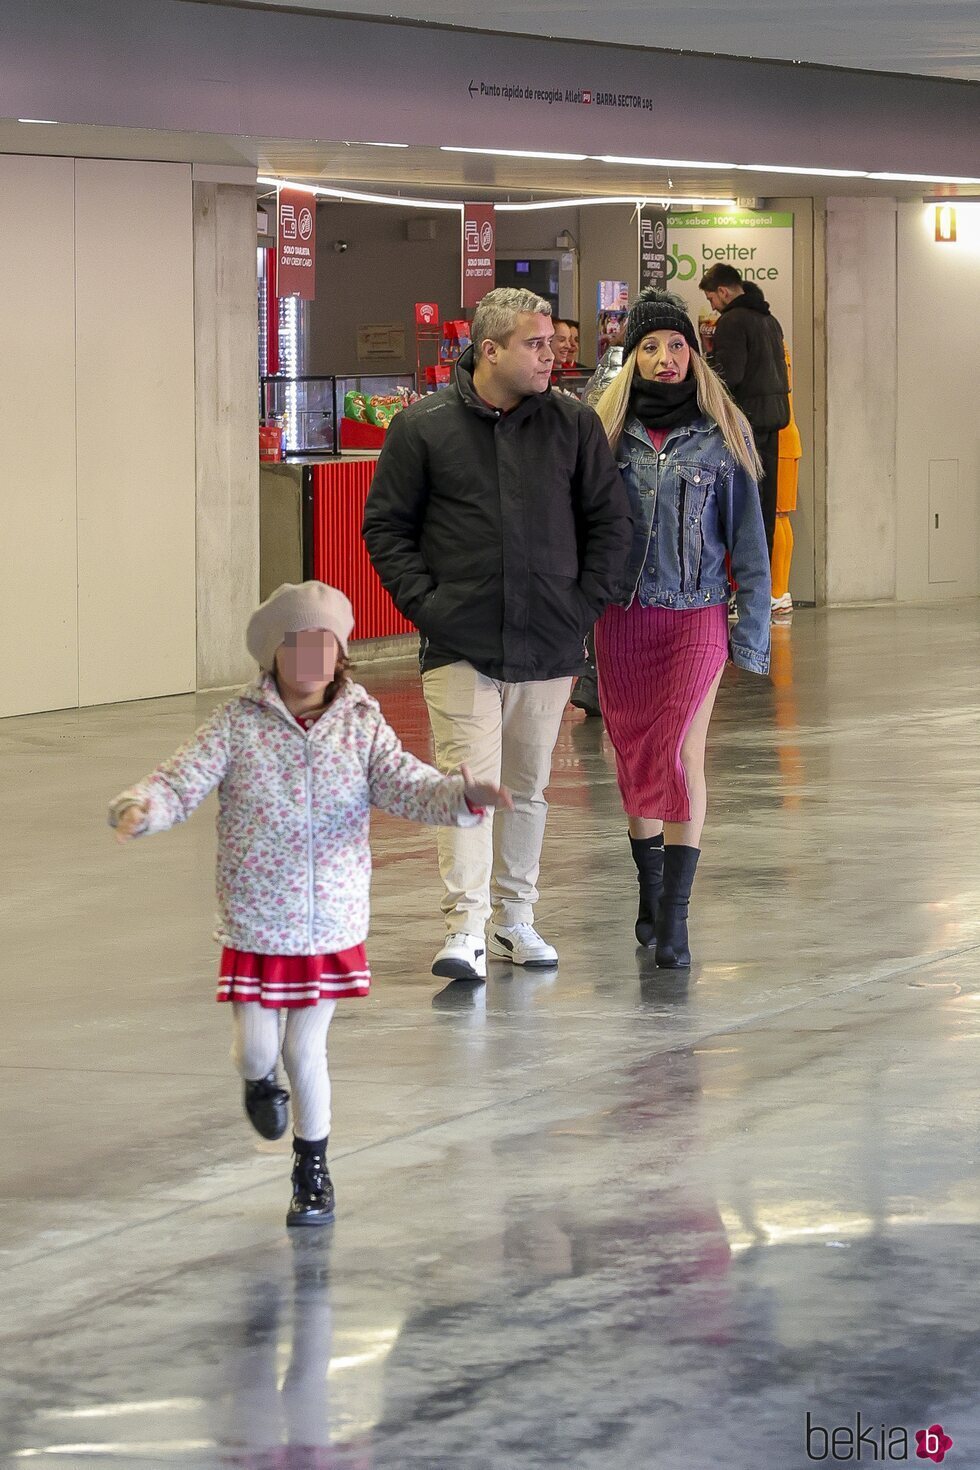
x=298, y=758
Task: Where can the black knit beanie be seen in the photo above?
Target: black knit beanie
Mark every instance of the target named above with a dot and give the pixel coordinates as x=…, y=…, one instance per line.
x=655, y=311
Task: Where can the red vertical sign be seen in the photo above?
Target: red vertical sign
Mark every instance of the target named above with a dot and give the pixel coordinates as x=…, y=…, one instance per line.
x=296, y=244
x=479, y=252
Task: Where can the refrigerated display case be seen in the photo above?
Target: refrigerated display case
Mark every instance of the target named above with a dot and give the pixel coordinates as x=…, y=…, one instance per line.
x=310, y=407
x=306, y=409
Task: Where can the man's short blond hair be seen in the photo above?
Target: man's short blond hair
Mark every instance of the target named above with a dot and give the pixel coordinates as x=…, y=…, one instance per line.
x=495, y=319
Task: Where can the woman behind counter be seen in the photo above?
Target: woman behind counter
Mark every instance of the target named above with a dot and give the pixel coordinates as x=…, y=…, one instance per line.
x=690, y=466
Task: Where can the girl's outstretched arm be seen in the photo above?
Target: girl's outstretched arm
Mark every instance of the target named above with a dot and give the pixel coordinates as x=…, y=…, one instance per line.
x=171, y=792
x=405, y=786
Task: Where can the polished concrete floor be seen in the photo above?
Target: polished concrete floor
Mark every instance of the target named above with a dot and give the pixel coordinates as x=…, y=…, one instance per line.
x=601, y=1217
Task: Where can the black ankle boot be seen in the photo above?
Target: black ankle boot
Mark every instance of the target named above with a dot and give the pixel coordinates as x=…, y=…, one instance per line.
x=313, y=1201
x=680, y=865
x=585, y=695
x=265, y=1104
x=648, y=854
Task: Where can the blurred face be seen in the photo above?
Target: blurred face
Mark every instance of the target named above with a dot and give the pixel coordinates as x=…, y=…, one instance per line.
x=523, y=364
x=663, y=357
x=561, y=343
x=307, y=661
x=573, y=338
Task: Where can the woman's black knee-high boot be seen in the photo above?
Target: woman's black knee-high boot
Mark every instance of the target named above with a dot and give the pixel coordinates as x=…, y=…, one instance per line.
x=648, y=854
x=680, y=865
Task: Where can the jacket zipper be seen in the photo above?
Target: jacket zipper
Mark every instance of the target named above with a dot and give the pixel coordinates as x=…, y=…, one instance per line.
x=309, y=835
x=308, y=783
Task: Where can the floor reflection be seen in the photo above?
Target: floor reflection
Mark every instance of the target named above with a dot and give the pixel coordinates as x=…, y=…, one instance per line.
x=596, y=1218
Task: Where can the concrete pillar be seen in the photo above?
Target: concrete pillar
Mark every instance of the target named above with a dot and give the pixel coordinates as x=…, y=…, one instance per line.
x=225, y=362
x=861, y=328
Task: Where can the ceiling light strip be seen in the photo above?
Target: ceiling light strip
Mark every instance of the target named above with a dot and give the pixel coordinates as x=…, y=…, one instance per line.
x=656, y=162
x=636, y=200
x=359, y=196
x=517, y=153
x=792, y=168
x=802, y=170
x=925, y=178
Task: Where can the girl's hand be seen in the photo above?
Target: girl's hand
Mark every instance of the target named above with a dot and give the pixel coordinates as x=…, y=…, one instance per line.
x=132, y=820
x=482, y=793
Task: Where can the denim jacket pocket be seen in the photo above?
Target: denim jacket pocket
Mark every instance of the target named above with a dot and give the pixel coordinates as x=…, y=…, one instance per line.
x=640, y=474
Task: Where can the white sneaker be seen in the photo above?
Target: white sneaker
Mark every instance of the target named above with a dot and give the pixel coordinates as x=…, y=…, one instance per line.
x=522, y=945
x=462, y=957
x=782, y=604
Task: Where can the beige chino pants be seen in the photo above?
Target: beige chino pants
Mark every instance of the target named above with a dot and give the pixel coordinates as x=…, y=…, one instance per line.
x=505, y=733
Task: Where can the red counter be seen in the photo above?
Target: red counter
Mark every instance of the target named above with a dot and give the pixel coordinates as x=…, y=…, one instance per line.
x=340, y=557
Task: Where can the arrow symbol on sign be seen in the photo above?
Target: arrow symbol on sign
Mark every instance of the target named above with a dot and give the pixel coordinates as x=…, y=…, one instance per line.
x=471, y=88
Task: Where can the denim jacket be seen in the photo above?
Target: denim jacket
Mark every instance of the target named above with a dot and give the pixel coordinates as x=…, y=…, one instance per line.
x=691, y=503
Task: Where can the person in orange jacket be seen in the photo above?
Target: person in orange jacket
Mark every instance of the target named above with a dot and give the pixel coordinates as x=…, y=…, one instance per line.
x=787, y=489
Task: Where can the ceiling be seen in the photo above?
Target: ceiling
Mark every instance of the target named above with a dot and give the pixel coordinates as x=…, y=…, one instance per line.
x=432, y=172
x=938, y=38
x=435, y=171
x=843, y=118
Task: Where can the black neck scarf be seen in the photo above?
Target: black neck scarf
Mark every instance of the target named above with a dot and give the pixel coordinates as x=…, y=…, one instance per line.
x=664, y=405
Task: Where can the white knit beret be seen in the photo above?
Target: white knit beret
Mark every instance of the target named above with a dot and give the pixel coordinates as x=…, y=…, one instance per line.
x=296, y=607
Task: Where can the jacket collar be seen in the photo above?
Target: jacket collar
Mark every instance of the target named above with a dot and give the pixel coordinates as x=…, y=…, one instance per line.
x=700, y=425
x=751, y=299
x=463, y=384
x=264, y=691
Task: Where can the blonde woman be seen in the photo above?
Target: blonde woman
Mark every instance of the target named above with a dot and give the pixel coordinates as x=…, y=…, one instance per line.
x=690, y=467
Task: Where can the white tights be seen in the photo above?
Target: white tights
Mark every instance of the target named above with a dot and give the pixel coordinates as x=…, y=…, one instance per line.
x=255, y=1052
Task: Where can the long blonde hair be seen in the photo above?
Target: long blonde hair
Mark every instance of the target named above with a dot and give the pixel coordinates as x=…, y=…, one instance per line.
x=714, y=401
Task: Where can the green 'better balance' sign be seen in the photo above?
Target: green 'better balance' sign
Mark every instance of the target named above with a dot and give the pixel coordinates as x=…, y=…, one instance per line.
x=759, y=244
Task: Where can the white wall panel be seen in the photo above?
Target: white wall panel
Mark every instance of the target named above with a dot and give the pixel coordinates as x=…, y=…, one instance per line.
x=38, y=624
x=134, y=316
x=938, y=377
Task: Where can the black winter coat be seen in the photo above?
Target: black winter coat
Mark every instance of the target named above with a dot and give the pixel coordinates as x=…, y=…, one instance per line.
x=502, y=536
x=748, y=353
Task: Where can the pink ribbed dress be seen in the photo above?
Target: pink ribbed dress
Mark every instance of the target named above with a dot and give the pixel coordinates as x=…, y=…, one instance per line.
x=655, y=666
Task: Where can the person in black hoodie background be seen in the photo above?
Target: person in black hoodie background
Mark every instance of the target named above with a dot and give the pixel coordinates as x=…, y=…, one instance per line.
x=749, y=355
x=499, y=524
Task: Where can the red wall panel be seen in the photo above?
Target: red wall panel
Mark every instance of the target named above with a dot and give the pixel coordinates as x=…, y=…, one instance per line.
x=339, y=554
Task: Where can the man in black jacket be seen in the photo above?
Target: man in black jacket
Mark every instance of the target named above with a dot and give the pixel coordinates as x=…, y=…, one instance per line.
x=498, y=522
x=749, y=354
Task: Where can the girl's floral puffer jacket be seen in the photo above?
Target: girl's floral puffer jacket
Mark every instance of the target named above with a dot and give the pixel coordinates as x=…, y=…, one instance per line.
x=294, y=864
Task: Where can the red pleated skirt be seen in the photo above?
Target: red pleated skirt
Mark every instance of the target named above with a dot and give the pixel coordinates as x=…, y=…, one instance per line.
x=287, y=981
x=655, y=667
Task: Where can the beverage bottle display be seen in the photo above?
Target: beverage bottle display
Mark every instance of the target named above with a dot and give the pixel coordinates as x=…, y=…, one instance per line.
x=706, y=331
